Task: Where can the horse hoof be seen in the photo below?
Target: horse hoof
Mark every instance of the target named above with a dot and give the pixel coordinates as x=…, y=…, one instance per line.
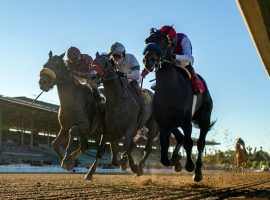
x=177, y=167
x=174, y=160
x=190, y=167
x=63, y=165
x=116, y=164
x=166, y=162
x=123, y=163
x=197, y=177
x=67, y=166
x=124, y=166
x=88, y=177
x=140, y=169
x=139, y=172
x=135, y=169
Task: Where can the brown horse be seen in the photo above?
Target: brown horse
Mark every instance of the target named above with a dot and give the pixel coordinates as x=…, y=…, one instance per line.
x=241, y=155
x=77, y=113
x=122, y=113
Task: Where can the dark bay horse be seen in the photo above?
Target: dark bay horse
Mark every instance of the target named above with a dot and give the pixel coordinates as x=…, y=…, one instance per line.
x=77, y=113
x=173, y=99
x=122, y=112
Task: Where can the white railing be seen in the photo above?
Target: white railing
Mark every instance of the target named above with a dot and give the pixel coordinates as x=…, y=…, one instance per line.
x=27, y=168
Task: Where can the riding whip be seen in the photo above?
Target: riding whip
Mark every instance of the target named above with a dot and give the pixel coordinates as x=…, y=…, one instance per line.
x=36, y=98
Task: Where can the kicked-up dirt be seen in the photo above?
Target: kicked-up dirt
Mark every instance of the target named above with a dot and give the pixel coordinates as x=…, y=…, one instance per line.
x=155, y=186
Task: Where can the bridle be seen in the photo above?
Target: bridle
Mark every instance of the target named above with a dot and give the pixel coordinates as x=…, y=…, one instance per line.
x=56, y=79
x=107, y=72
x=154, y=43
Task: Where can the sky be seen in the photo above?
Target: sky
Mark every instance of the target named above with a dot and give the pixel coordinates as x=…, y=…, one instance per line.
x=222, y=48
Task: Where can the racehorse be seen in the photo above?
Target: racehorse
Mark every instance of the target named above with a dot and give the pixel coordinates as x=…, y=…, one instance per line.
x=173, y=101
x=241, y=155
x=122, y=113
x=78, y=115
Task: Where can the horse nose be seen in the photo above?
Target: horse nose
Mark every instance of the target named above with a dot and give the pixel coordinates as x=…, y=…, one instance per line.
x=43, y=81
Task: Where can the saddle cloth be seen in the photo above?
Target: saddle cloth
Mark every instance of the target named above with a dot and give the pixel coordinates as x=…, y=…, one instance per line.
x=146, y=96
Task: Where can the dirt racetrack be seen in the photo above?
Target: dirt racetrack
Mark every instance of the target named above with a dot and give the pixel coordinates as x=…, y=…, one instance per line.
x=156, y=186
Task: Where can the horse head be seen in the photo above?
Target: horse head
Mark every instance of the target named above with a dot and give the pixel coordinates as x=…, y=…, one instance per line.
x=241, y=142
x=158, y=47
x=104, y=68
x=52, y=72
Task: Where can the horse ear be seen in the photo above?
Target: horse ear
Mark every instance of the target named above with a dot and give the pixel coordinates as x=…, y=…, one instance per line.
x=62, y=55
x=50, y=54
x=97, y=54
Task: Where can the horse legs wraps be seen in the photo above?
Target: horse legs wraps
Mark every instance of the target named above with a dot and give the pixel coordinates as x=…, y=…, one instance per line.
x=138, y=97
x=194, y=79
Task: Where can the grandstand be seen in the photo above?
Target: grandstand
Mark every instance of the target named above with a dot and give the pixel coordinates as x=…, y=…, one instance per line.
x=27, y=130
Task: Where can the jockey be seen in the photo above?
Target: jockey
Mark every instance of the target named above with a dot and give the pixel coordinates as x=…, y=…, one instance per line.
x=77, y=61
x=183, y=55
x=81, y=64
x=127, y=64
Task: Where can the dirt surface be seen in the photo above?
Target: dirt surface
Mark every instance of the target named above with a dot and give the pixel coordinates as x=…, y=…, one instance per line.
x=156, y=186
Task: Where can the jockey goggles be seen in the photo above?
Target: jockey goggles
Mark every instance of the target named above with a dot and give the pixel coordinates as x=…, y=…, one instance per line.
x=117, y=56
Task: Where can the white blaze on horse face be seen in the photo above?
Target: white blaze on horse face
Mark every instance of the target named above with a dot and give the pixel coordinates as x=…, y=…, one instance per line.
x=48, y=72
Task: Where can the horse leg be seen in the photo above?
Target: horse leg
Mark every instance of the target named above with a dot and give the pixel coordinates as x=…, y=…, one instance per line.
x=114, y=144
x=124, y=157
x=67, y=162
x=58, y=141
x=127, y=147
x=175, y=159
x=164, y=137
x=81, y=149
x=188, y=144
x=147, y=151
x=200, y=146
x=100, y=152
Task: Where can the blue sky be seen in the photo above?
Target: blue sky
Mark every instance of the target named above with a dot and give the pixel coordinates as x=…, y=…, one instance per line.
x=222, y=47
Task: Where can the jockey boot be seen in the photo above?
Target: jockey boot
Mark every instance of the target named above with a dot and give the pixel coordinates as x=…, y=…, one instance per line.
x=137, y=90
x=139, y=98
x=194, y=80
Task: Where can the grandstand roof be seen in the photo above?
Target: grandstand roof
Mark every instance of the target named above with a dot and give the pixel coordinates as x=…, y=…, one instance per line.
x=18, y=109
x=257, y=17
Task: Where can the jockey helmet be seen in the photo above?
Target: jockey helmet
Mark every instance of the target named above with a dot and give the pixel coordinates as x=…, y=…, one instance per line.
x=117, y=48
x=86, y=58
x=169, y=31
x=73, y=53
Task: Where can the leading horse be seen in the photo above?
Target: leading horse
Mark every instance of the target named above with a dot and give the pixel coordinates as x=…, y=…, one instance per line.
x=173, y=101
x=122, y=113
x=78, y=115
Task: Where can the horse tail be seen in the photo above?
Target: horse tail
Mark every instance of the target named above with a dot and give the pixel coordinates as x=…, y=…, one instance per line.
x=196, y=125
x=212, y=124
